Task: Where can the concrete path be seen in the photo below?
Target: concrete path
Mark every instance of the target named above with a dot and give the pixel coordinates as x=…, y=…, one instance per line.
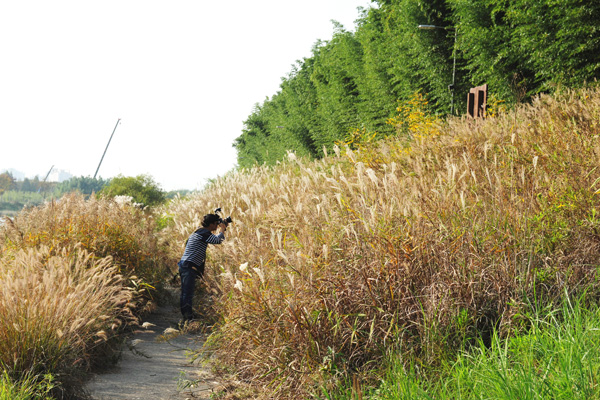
x=153, y=368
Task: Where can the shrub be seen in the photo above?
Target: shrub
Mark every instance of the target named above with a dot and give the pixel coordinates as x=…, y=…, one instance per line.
x=142, y=188
x=415, y=119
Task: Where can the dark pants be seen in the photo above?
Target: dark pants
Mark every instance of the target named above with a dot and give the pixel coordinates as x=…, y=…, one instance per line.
x=188, y=273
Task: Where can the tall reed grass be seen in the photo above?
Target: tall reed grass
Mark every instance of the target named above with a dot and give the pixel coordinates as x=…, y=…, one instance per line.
x=419, y=247
x=103, y=226
x=54, y=307
x=73, y=274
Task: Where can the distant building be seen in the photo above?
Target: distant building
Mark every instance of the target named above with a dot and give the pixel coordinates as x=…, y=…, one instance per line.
x=58, y=175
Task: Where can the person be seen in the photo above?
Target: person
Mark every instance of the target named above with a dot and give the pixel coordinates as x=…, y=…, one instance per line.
x=191, y=265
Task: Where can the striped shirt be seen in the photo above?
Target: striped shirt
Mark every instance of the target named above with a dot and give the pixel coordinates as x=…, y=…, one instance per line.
x=195, y=249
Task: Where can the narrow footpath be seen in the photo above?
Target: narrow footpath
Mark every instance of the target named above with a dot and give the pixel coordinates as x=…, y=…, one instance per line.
x=153, y=368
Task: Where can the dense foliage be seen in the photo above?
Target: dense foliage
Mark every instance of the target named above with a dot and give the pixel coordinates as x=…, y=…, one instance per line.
x=519, y=48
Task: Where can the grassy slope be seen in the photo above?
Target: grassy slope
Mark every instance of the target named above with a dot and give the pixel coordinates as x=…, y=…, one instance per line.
x=413, y=247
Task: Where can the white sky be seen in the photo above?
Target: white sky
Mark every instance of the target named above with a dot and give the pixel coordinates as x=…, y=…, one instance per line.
x=182, y=75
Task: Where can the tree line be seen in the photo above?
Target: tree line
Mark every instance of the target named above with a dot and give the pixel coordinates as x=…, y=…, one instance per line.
x=520, y=48
x=83, y=184
x=143, y=190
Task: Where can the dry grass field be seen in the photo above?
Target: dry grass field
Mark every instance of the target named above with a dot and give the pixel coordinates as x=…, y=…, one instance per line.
x=414, y=246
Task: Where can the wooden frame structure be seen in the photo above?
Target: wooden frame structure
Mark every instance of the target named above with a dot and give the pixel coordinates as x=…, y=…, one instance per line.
x=477, y=101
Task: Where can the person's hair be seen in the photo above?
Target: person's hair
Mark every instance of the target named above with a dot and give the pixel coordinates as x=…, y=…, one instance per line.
x=209, y=219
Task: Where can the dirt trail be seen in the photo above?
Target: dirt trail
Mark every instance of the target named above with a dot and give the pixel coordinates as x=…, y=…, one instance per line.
x=154, y=372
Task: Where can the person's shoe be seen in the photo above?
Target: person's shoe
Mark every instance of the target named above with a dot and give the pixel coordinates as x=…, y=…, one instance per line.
x=192, y=318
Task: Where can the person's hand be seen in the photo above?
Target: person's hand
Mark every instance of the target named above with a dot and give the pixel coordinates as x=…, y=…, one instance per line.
x=223, y=227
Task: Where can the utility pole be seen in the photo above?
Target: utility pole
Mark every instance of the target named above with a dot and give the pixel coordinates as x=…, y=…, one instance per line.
x=103, y=154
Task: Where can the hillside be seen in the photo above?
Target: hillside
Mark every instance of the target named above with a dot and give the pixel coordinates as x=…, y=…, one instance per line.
x=412, y=247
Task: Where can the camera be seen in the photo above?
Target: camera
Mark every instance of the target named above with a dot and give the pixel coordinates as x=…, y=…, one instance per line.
x=225, y=221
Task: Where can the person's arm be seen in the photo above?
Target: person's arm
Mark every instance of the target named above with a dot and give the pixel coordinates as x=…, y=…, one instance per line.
x=218, y=238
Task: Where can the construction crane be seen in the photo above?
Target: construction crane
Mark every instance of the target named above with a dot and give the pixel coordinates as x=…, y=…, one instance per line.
x=48, y=174
x=44, y=181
